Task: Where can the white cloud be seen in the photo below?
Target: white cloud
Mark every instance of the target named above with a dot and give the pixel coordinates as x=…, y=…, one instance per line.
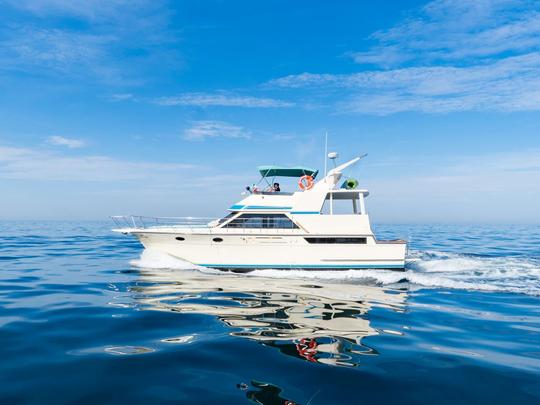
x=122, y=97
x=222, y=99
x=61, y=52
x=54, y=48
x=457, y=30
x=282, y=137
x=460, y=55
x=31, y=164
x=456, y=55
x=37, y=183
x=495, y=188
x=86, y=9
x=510, y=84
x=201, y=130
x=69, y=142
x=116, y=39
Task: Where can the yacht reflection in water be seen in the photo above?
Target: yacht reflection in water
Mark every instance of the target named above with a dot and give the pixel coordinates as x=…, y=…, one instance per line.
x=318, y=321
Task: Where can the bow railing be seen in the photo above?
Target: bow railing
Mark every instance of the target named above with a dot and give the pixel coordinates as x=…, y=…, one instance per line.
x=138, y=221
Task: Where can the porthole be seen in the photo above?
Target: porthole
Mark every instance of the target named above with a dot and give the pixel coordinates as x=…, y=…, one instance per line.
x=217, y=240
x=180, y=238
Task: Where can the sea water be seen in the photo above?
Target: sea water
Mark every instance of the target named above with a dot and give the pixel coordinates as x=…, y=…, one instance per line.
x=87, y=316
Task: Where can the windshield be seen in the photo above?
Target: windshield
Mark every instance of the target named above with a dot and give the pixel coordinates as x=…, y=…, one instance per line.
x=227, y=217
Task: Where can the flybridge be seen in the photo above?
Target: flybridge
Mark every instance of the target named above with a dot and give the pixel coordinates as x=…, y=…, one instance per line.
x=307, y=200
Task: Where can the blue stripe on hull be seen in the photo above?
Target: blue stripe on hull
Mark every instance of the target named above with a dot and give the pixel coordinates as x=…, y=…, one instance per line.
x=304, y=266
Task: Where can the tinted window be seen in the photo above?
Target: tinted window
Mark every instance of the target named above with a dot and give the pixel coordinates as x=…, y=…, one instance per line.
x=232, y=214
x=261, y=221
x=361, y=241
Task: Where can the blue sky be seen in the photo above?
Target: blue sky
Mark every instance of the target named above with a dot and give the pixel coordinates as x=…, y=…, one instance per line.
x=166, y=108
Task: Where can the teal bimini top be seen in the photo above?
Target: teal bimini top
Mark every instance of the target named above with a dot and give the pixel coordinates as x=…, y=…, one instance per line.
x=298, y=171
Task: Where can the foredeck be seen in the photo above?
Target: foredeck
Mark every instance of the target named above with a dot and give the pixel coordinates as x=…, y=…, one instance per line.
x=195, y=225
x=132, y=223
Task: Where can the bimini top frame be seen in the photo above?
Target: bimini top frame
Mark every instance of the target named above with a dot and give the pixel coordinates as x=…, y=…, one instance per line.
x=280, y=171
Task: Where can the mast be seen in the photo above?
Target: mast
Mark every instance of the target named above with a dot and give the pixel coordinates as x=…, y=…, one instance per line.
x=325, y=152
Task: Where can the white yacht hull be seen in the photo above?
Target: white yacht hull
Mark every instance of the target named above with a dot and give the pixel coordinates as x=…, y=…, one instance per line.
x=321, y=226
x=250, y=251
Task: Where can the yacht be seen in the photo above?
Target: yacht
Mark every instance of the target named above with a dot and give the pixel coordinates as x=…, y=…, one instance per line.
x=323, y=225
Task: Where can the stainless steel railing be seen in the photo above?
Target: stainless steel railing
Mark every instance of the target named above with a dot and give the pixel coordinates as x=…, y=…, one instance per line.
x=249, y=223
x=138, y=221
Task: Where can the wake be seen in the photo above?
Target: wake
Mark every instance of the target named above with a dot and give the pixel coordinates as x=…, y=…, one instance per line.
x=429, y=269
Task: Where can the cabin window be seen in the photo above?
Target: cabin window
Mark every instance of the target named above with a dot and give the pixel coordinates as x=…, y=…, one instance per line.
x=262, y=221
x=343, y=204
x=227, y=217
x=339, y=240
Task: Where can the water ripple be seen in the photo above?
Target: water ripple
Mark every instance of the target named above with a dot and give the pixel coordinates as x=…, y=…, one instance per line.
x=78, y=323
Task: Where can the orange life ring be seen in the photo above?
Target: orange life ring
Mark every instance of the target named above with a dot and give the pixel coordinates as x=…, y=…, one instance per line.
x=305, y=182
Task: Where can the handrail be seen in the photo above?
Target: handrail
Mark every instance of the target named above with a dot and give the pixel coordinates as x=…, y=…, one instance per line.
x=251, y=222
x=138, y=221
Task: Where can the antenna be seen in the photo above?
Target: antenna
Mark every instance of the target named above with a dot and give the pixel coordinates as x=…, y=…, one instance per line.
x=325, y=152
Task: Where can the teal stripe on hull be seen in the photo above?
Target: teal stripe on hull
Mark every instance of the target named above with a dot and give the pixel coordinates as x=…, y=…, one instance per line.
x=305, y=212
x=264, y=207
x=305, y=266
x=260, y=207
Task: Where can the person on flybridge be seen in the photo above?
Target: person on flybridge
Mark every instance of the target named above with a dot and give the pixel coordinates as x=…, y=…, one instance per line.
x=275, y=188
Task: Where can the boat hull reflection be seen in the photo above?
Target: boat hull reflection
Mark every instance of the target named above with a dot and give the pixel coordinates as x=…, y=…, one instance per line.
x=317, y=321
